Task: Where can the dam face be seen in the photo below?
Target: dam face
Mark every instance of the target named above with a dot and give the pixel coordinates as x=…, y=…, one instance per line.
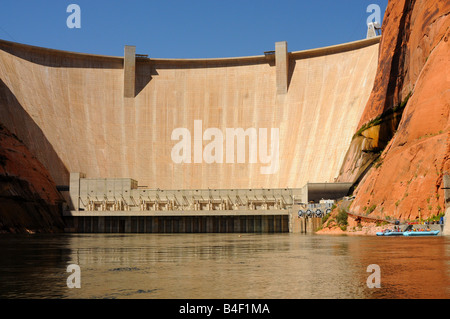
x=77, y=113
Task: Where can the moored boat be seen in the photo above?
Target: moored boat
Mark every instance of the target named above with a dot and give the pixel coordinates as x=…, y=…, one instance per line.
x=389, y=232
x=408, y=231
x=421, y=233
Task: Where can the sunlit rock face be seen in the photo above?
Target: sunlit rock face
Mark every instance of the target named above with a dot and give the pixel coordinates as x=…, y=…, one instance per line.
x=406, y=180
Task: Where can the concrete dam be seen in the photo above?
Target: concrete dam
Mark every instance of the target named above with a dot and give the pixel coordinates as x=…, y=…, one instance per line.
x=274, y=122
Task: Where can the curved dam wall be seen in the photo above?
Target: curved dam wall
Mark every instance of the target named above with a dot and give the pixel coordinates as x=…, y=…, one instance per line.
x=70, y=110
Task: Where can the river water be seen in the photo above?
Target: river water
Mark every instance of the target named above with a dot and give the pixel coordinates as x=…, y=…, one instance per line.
x=217, y=266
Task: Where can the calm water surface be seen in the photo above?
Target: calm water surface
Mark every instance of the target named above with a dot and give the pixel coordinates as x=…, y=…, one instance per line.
x=175, y=266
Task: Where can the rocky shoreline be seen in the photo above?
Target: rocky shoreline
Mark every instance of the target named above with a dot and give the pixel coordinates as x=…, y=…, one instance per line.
x=366, y=230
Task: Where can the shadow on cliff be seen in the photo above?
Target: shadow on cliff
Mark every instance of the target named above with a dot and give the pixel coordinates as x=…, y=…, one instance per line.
x=19, y=122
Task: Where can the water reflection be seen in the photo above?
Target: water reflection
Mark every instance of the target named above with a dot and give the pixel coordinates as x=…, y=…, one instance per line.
x=33, y=266
x=411, y=267
x=287, y=266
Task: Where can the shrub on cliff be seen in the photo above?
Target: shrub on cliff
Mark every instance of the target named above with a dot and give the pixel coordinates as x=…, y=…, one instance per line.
x=342, y=217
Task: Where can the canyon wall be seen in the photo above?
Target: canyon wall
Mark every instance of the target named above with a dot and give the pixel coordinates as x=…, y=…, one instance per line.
x=400, y=152
x=29, y=200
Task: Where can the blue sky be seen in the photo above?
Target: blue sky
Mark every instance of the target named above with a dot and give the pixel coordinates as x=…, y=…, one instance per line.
x=186, y=28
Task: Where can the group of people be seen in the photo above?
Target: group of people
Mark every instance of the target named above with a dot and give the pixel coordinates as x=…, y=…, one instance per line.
x=421, y=229
x=397, y=229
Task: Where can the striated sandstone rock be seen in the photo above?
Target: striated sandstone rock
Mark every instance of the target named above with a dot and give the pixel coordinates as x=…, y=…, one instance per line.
x=29, y=200
x=406, y=181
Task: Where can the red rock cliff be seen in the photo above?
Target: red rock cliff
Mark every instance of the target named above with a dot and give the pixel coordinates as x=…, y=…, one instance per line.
x=29, y=200
x=406, y=118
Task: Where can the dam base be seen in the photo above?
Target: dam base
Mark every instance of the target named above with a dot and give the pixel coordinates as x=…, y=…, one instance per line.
x=286, y=223
x=120, y=205
x=178, y=224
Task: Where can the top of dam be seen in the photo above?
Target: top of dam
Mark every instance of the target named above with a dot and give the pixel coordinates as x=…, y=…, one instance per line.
x=277, y=120
x=253, y=58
